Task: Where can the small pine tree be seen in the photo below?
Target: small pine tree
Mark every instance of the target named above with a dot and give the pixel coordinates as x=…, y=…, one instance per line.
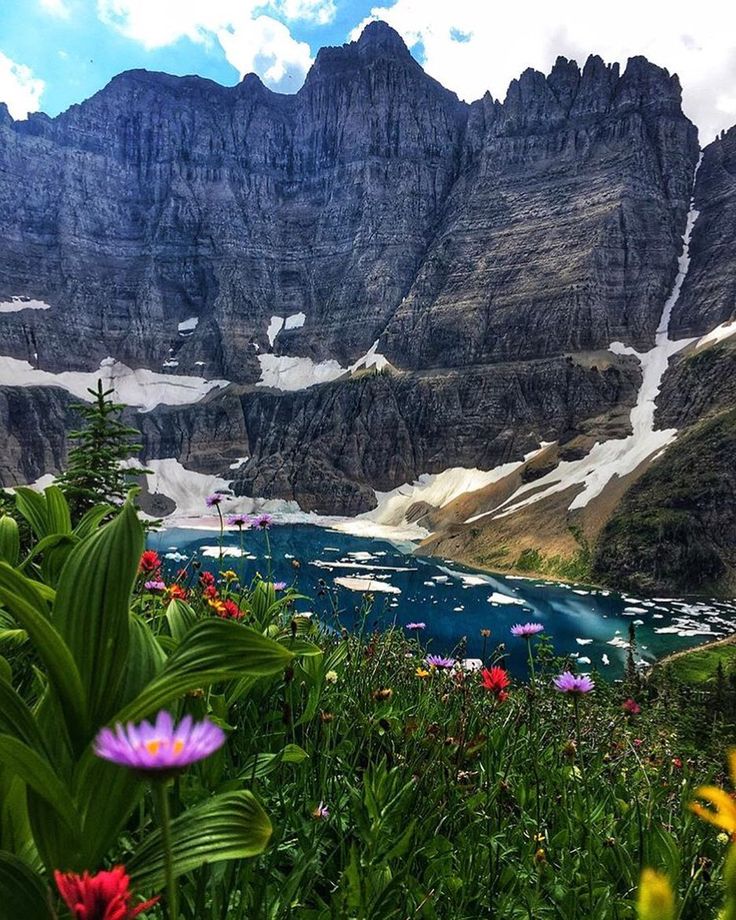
x=95, y=472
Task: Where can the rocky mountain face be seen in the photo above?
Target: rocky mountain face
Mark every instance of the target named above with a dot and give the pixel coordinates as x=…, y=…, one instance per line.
x=454, y=274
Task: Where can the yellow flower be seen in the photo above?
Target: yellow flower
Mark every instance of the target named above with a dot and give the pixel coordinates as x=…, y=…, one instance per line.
x=229, y=575
x=656, y=900
x=422, y=673
x=331, y=677
x=723, y=810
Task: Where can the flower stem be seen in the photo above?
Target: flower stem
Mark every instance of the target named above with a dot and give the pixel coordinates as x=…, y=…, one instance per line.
x=161, y=795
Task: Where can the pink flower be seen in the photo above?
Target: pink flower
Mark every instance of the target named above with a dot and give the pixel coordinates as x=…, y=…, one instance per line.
x=631, y=707
x=526, y=630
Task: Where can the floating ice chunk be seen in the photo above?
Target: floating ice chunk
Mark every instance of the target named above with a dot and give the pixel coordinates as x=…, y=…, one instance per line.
x=583, y=641
x=175, y=557
x=583, y=660
x=605, y=659
x=497, y=598
x=366, y=585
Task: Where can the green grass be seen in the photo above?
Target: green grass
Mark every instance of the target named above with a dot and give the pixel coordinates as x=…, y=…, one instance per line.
x=700, y=666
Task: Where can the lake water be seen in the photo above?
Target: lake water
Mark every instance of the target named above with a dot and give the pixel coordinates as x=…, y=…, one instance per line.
x=455, y=601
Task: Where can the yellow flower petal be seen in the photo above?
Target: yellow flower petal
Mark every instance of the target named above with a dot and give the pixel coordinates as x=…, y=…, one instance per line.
x=732, y=764
x=723, y=812
x=656, y=900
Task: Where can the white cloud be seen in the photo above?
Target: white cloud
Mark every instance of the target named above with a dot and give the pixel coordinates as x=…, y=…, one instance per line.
x=250, y=40
x=472, y=47
x=319, y=11
x=56, y=8
x=19, y=89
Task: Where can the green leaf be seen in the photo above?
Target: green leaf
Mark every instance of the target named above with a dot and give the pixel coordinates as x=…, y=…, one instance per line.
x=181, y=618
x=261, y=765
x=229, y=826
x=9, y=540
x=27, y=605
x=58, y=518
x=106, y=795
x=146, y=658
x=16, y=718
x=22, y=891
x=37, y=772
x=91, y=520
x=212, y=651
x=91, y=609
x=32, y=505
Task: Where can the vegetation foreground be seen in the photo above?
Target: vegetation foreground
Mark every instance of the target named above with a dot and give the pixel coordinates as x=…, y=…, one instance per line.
x=181, y=745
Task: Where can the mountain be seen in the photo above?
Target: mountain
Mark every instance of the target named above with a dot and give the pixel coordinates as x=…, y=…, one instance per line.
x=326, y=295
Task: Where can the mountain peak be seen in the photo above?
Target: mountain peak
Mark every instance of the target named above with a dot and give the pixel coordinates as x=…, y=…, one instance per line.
x=378, y=36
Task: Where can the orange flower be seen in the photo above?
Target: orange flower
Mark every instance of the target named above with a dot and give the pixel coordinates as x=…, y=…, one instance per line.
x=722, y=812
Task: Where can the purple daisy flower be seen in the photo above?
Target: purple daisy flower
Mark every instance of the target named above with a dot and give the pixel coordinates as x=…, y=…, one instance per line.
x=212, y=501
x=415, y=626
x=574, y=684
x=279, y=585
x=262, y=521
x=526, y=630
x=238, y=520
x=438, y=661
x=159, y=748
x=155, y=586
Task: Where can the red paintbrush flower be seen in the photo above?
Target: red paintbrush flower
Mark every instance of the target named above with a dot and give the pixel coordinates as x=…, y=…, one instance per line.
x=207, y=579
x=150, y=561
x=104, y=896
x=231, y=611
x=496, y=680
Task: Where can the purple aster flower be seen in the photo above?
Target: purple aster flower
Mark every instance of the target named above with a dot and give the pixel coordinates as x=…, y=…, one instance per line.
x=212, y=501
x=438, y=661
x=279, y=585
x=238, y=520
x=161, y=748
x=415, y=626
x=321, y=812
x=526, y=630
x=155, y=586
x=262, y=521
x=574, y=684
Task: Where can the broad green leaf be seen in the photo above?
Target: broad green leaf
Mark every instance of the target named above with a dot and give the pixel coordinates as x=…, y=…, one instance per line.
x=32, y=505
x=91, y=610
x=9, y=540
x=28, y=607
x=146, y=658
x=212, y=651
x=16, y=718
x=181, y=618
x=58, y=518
x=261, y=765
x=22, y=891
x=37, y=772
x=228, y=826
x=106, y=795
x=91, y=520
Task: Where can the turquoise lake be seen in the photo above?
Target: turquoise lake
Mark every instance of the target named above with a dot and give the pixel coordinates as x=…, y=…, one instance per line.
x=454, y=601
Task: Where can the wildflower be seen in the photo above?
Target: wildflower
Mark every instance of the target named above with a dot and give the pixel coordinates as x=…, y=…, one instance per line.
x=331, y=677
x=422, y=673
x=210, y=592
x=415, y=626
x=325, y=716
x=677, y=763
x=485, y=633
x=438, y=661
x=279, y=585
x=206, y=579
x=723, y=812
x=540, y=857
x=631, y=707
x=155, y=586
x=229, y=610
x=104, y=896
x=176, y=593
x=383, y=695
x=214, y=500
x=262, y=521
x=321, y=812
x=526, y=630
x=159, y=748
x=656, y=900
x=638, y=742
x=496, y=680
x=574, y=684
x=229, y=575
x=723, y=838
x=238, y=520
x=150, y=561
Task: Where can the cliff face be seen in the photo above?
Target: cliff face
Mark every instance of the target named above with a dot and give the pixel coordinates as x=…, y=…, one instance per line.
x=491, y=252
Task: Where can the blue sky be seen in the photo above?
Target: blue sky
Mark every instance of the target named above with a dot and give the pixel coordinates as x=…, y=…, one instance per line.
x=54, y=53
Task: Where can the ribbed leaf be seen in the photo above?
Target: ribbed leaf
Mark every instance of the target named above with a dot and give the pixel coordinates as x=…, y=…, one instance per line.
x=22, y=892
x=106, y=795
x=37, y=772
x=58, y=518
x=16, y=718
x=28, y=607
x=91, y=520
x=9, y=540
x=181, y=618
x=32, y=505
x=91, y=610
x=229, y=826
x=146, y=658
x=212, y=651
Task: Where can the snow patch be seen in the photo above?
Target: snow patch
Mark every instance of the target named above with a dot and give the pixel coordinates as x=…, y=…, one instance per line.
x=188, y=326
x=724, y=331
x=295, y=321
x=16, y=304
x=284, y=373
x=275, y=326
x=141, y=388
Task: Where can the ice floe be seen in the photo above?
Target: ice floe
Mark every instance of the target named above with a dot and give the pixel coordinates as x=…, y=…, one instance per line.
x=366, y=585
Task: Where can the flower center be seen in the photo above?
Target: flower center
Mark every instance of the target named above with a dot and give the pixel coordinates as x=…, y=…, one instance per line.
x=155, y=745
